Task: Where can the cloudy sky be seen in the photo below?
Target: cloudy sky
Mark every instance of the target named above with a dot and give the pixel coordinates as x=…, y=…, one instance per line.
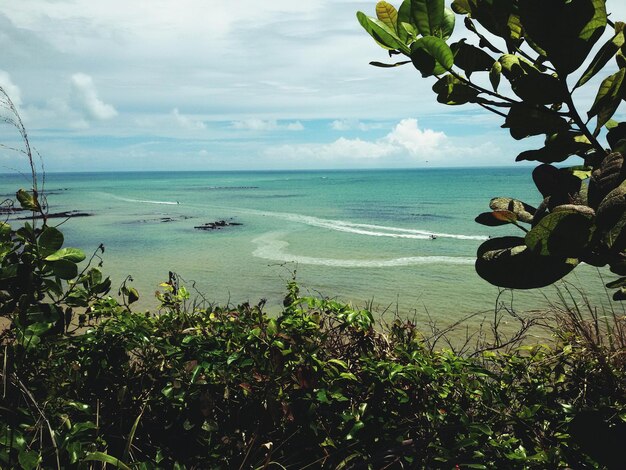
x=241, y=84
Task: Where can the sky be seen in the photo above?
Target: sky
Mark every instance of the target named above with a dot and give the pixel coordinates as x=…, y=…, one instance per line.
x=237, y=85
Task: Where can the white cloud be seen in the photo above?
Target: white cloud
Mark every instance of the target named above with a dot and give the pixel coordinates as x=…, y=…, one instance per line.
x=10, y=88
x=353, y=124
x=186, y=122
x=407, y=144
x=341, y=149
x=420, y=143
x=266, y=125
x=85, y=95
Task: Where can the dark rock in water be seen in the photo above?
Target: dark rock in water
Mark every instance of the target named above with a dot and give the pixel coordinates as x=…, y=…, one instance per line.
x=10, y=210
x=218, y=224
x=174, y=219
x=59, y=215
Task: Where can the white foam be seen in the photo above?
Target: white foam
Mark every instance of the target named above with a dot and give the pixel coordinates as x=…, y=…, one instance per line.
x=140, y=201
x=271, y=247
x=362, y=229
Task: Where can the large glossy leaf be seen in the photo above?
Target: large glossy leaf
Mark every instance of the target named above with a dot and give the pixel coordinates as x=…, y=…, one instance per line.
x=612, y=207
x=602, y=57
x=381, y=33
x=447, y=25
x=563, y=234
x=565, y=29
x=606, y=178
x=507, y=262
x=514, y=66
x=524, y=120
x=462, y=7
x=452, y=91
x=64, y=269
x=558, y=148
x=497, y=17
x=555, y=183
x=524, y=212
x=49, y=241
x=612, y=91
x=616, y=134
x=71, y=254
x=428, y=15
x=431, y=56
x=496, y=218
x=404, y=16
x=471, y=58
x=615, y=237
x=539, y=88
x=28, y=200
x=388, y=14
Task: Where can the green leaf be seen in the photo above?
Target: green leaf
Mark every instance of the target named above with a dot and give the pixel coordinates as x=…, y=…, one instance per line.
x=428, y=16
x=64, y=269
x=555, y=183
x=452, y=91
x=39, y=328
x=447, y=25
x=5, y=230
x=49, y=241
x=538, y=88
x=28, y=200
x=470, y=58
x=507, y=262
x=431, y=56
x=522, y=211
x=565, y=30
x=388, y=14
x=612, y=91
x=494, y=75
x=462, y=7
x=563, y=234
x=381, y=33
x=133, y=295
x=107, y=459
x=71, y=254
x=496, y=218
x=387, y=66
x=525, y=120
x=616, y=134
x=514, y=66
x=404, y=19
x=558, y=148
x=29, y=459
x=612, y=207
x=602, y=57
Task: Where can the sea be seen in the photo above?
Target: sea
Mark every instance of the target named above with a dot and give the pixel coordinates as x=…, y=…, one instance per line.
x=399, y=242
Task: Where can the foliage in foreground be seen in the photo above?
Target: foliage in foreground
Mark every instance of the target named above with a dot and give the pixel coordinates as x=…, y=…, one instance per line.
x=524, y=66
x=85, y=379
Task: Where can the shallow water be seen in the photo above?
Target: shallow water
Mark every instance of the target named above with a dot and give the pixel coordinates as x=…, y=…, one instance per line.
x=360, y=236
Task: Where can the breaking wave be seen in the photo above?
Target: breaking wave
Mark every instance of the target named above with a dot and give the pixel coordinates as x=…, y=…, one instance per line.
x=141, y=201
x=363, y=229
x=271, y=247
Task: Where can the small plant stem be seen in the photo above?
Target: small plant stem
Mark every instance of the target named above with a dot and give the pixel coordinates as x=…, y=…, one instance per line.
x=573, y=112
x=481, y=89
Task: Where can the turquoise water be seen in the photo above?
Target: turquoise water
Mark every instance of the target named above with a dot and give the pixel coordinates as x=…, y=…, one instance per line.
x=359, y=236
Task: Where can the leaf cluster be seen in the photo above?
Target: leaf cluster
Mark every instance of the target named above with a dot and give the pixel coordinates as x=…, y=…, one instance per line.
x=537, y=48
